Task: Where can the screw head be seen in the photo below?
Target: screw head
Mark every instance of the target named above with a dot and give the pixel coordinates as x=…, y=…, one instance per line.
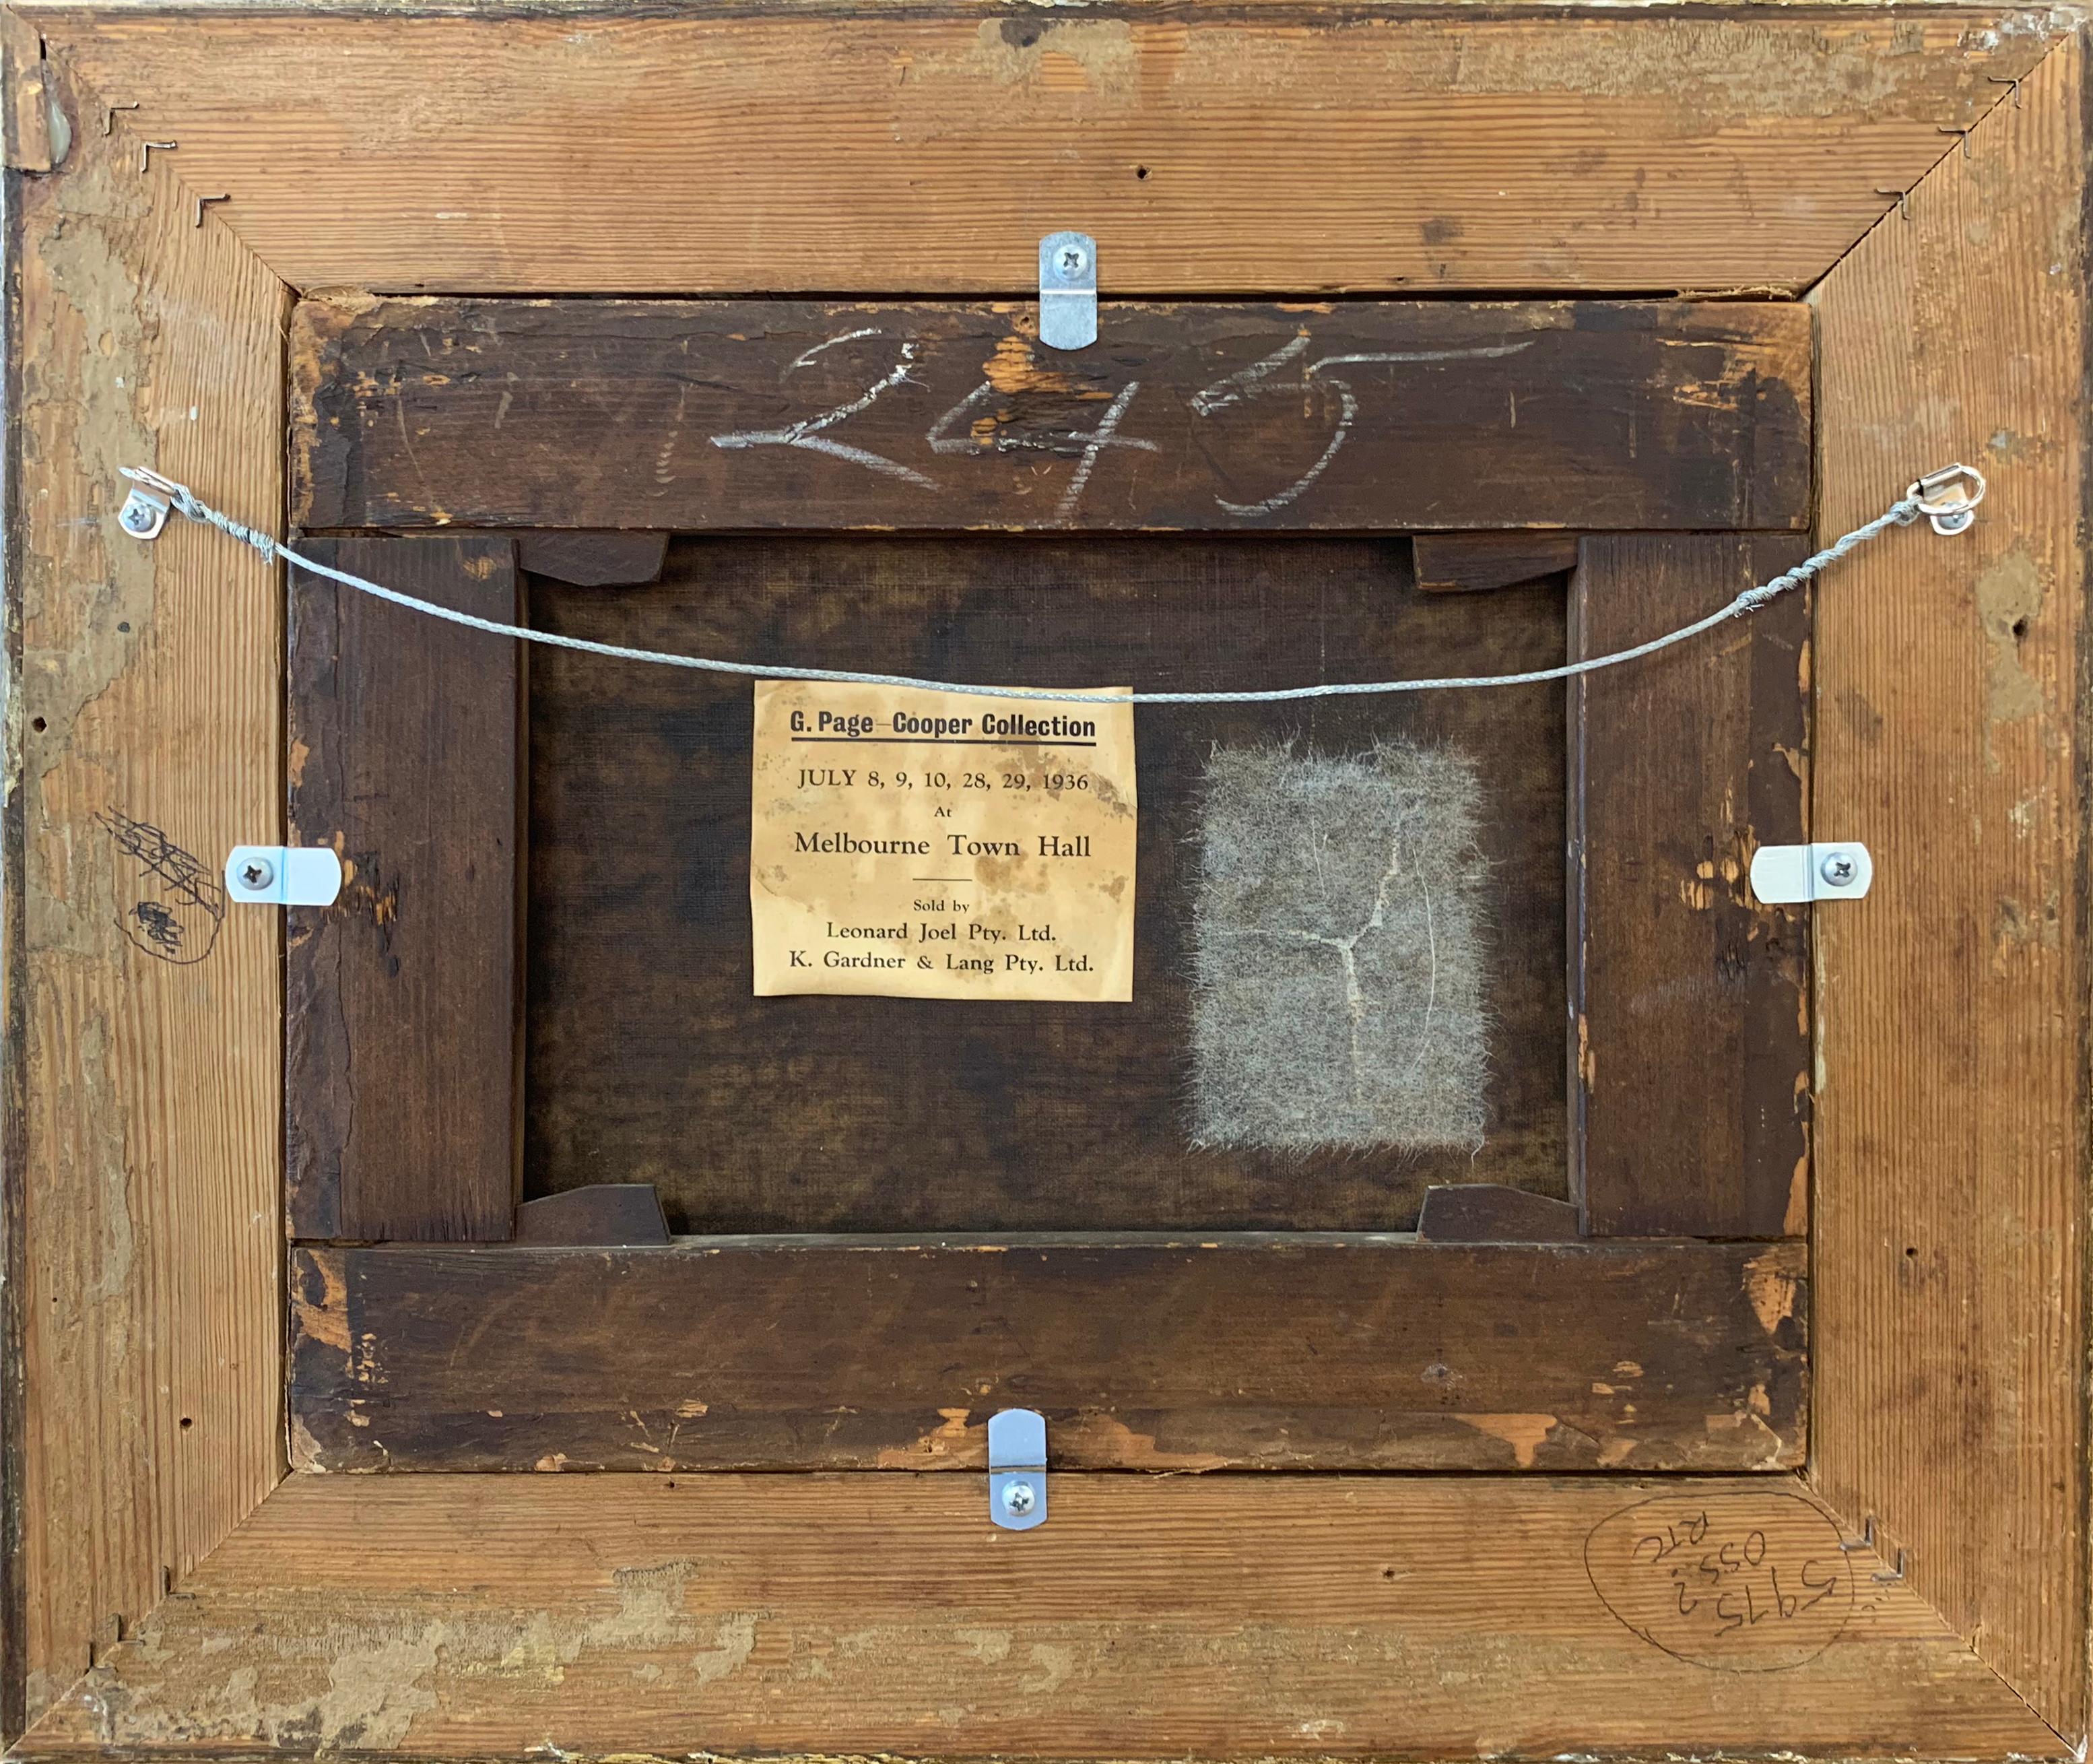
x=1839, y=870
x=1071, y=260
x=141, y=516
x=256, y=873
x=1019, y=1498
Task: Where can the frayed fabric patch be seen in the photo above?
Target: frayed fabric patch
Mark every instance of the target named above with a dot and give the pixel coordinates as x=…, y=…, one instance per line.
x=1337, y=951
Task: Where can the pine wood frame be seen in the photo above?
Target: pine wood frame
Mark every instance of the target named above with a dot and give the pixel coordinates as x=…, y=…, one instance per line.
x=216, y=1608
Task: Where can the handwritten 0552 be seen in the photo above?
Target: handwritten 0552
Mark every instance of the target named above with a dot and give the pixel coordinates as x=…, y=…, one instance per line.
x=1737, y=1582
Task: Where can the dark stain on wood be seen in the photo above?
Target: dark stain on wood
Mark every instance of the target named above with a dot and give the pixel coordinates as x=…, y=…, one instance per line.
x=1327, y=1354
x=1382, y=416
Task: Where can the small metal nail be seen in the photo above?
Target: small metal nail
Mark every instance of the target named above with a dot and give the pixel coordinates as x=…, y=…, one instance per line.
x=202, y=202
x=109, y=115
x=146, y=152
x=2004, y=79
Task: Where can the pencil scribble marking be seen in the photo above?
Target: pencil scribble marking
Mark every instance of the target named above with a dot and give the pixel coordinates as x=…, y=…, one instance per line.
x=176, y=904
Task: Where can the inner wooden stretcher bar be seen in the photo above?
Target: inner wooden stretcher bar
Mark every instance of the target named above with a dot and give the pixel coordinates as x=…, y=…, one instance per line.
x=898, y=1216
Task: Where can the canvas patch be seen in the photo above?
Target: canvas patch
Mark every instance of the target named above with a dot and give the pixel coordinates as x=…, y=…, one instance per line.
x=1337, y=951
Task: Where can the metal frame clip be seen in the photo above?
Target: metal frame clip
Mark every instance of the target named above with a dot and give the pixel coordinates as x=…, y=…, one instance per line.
x=1067, y=291
x=1017, y=1469
x=283, y=876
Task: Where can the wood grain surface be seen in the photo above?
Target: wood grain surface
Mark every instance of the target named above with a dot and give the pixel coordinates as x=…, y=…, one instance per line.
x=461, y=1616
x=591, y=559
x=735, y=414
x=402, y=999
x=144, y=1029
x=1273, y=1353
x=1150, y=1617
x=845, y=150
x=1467, y=563
x=1691, y=1071
x=1951, y=688
x=649, y=1060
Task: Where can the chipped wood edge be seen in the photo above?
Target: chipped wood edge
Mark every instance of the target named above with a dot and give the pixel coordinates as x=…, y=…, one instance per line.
x=34, y=128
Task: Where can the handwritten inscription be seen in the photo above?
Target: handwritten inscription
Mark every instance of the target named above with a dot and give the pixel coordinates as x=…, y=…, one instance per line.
x=170, y=905
x=1737, y=1582
x=809, y=432
x=1265, y=377
x=1294, y=368
x=919, y=844
x=1371, y=416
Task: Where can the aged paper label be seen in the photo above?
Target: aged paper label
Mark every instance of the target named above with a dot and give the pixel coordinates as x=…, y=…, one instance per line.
x=932, y=845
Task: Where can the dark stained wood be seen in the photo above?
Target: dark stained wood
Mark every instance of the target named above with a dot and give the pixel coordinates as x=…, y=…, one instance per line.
x=591, y=559
x=1386, y=416
x=1487, y=1212
x=1465, y=563
x=1258, y=1352
x=401, y=1000
x=608, y=1213
x=1691, y=1067
x=650, y=1061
